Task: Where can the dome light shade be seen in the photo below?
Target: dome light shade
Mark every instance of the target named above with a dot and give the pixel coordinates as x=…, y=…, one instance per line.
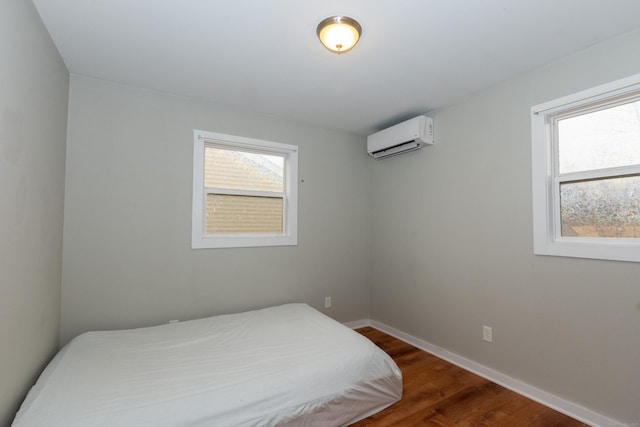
x=339, y=34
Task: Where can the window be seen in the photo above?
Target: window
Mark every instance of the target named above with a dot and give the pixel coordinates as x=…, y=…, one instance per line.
x=586, y=173
x=244, y=192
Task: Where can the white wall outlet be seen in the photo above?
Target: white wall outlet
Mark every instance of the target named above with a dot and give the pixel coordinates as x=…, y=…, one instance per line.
x=487, y=334
x=327, y=302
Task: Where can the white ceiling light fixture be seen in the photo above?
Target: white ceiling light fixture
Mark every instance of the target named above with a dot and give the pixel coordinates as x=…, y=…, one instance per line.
x=339, y=34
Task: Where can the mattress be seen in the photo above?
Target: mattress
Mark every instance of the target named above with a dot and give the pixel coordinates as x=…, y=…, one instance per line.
x=282, y=366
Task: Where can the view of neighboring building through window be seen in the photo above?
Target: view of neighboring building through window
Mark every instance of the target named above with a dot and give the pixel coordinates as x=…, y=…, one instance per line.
x=245, y=192
x=586, y=173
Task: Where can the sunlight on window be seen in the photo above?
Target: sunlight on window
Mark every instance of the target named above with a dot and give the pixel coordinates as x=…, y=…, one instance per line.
x=586, y=173
x=602, y=139
x=234, y=169
x=601, y=208
x=605, y=206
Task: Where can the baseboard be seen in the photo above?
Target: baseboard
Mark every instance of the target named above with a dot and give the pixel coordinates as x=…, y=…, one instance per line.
x=566, y=407
x=358, y=324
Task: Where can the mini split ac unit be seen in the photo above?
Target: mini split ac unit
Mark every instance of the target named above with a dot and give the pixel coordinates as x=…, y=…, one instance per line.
x=401, y=138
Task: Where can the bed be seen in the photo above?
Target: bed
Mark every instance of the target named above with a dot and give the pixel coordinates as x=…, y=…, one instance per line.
x=288, y=365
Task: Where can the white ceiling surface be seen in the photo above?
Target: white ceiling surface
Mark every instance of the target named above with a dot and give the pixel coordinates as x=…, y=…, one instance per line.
x=263, y=55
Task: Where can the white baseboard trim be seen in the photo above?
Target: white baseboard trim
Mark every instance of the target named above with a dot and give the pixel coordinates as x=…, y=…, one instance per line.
x=566, y=407
x=358, y=324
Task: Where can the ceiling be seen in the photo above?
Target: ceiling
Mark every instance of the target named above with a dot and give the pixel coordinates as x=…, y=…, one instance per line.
x=264, y=56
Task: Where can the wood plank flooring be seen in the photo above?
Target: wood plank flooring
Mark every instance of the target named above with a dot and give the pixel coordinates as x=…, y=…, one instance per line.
x=438, y=393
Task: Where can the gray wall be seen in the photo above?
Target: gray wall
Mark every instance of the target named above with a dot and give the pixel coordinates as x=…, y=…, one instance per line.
x=127, y=256
x=452, y=249
x=34, y=86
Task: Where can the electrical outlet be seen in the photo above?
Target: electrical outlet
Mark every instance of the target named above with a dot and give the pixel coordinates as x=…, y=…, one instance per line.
x=327, y=302
x=487, y=334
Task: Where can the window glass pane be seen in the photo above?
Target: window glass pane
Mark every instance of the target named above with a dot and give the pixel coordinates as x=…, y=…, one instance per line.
x=243, y=214
x=242, y=170
x=602, y=139
x=601, y=208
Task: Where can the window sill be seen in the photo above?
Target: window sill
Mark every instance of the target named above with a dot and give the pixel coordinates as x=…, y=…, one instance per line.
x=235, y=241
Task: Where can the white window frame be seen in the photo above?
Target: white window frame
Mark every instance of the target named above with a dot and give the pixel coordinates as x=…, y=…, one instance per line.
x=547, y=239
x=289, y=236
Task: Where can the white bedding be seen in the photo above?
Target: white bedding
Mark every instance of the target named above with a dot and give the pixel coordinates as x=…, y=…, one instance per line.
x=287, y=366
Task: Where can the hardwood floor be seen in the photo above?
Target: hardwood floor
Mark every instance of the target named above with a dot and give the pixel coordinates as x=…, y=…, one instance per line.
x=437, y=393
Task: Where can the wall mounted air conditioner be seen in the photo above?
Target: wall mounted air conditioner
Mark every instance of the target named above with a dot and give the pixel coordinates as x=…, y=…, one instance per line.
x=401, y=138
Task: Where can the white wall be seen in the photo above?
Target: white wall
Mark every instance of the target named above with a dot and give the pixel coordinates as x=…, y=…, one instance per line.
x=34, y=87
x=127, y=256
x=452, y=249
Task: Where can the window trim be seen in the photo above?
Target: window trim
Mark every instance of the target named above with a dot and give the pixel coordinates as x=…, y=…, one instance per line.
x=546, y=211
x=289, y=236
